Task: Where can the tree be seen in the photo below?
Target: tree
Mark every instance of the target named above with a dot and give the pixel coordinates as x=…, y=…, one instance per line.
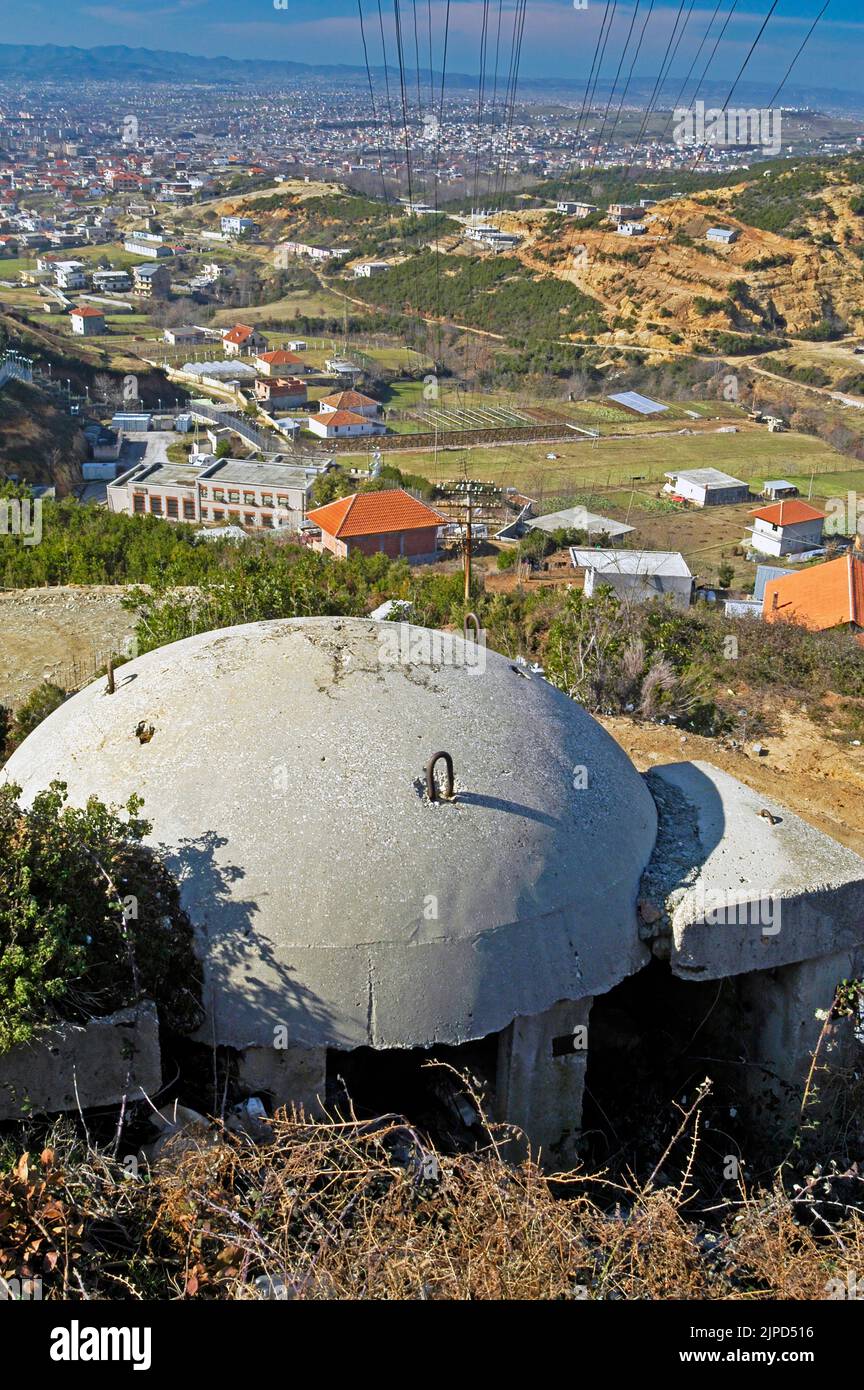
x=39, y=704
x=725, y=574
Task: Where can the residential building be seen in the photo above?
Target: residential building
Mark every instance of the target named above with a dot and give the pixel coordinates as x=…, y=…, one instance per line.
x=354, y=401
x=242, y=338
x=111, y=280
x=314, y=253
x=179, y=337
x=366, y=269
x=70, y=275
x=707, y=487
x=239, y=226
x=392, y=522
x=631, y=229
x=151, y=281
x=281, y=393
x=791, y=527
x=724, y=236
x=343, y=424
x=575, y=209
x=87, y=322
x=821, y=597
x=279, y=363
x=638, y=574
x=623, y=212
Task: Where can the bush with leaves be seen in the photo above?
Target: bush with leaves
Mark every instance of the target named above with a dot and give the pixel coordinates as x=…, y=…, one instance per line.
x=90, y=918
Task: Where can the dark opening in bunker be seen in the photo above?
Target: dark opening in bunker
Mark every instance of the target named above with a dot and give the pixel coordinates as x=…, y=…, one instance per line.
x=652, y=1040
x=423, y=1085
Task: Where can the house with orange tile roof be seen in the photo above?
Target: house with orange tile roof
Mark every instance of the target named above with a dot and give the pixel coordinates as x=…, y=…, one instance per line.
x=87, y=322
x=392, y=522
x=281, y=393
x=279, y=363
x=354, y=401
x=790, y=527
x=343, y=424
x=823, y=597
x=242, y=338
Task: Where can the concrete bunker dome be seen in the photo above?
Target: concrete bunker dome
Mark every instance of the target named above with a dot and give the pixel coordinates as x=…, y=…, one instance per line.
x=284, y=781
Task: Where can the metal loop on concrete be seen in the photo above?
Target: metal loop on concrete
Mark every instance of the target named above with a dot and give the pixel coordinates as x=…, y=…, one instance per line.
x=471, y=618
x=431, y=786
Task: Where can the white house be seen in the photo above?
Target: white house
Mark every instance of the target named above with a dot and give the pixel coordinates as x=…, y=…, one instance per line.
x=723, y=235
x=179, y=336
x=631, y=229
x=787, y=528
x=640, y=574
x=116, y=280
x=575, y=209
x=239, y=226
x=70, y=275
x=707, y=487
x=343, y=424
x=87, y=322
x=366, y=269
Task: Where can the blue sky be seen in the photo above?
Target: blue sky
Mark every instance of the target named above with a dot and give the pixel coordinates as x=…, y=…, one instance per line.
x=559, y=38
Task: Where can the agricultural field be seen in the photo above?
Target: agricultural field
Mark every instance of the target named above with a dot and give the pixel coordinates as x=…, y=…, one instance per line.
x=636, y=463
x=623, y=478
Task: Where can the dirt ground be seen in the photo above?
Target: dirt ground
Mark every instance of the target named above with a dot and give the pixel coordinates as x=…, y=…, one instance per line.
x=64, y=635
x=818, y=777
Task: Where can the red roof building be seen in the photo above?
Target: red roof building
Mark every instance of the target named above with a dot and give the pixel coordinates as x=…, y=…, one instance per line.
x=791, y=528
x=826, y=596
x=278, y=363
x=393, y=523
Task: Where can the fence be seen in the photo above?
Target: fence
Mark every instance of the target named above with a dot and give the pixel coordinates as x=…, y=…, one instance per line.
x=14, y=367
x=265, y=442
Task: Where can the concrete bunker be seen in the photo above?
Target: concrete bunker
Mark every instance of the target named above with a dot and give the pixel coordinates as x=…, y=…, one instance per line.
x=342, y=912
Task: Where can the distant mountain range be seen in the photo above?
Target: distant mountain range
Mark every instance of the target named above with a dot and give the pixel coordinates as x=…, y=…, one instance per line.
x=145, y=65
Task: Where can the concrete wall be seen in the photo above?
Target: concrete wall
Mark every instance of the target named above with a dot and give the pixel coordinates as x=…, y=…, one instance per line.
x=781, y=1023
x=540, y=1081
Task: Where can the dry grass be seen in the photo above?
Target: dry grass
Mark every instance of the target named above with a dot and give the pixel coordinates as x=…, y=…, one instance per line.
x=367, y=1210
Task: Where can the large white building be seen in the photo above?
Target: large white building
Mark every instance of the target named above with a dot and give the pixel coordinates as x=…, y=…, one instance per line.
x=255, y=495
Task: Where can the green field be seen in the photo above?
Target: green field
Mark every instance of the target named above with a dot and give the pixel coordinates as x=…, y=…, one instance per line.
x=751, y=455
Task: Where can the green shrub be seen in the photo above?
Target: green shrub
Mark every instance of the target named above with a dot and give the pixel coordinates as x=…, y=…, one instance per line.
x=90, y=919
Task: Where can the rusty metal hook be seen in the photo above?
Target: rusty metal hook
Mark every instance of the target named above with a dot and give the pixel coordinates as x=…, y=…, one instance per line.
x=431, y=787
x=469, y=618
